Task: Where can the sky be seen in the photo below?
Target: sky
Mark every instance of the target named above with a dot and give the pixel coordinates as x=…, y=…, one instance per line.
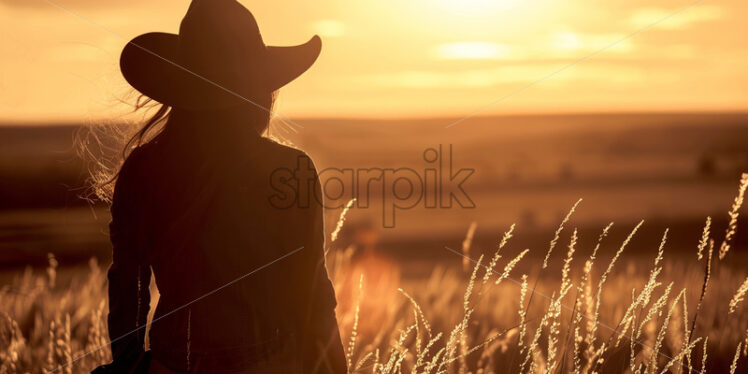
x=404, y=58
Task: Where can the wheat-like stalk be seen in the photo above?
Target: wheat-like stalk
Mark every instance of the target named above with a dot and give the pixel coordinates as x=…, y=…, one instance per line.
x=354, y=329
x=576, y=359
x=51, y=339
x=566, y=269
x=661, y=335
x=97, y=335
x=463, y=336
x=644, y=297
x=466, y=244
x=554, y=312
x=473, y=349
x=585, y=304
x=376, y=364
x=398, y=352
x=341, y=220
x=436, y=360
x=497, y=254
x=587, y=282
x=704, y=355
x=425, y=351
x=14, y=344
x=632, y=349
x=419, y=311
x=604, y=277
x=704, y=238
x=686, y=332
x=52, y=270
x=734, y=365
x=565, y=283
x=455, y=338
x=471, y=284
x=558, y=233
x=533, y=346
x=361, y=362
x=739, y=296
x=686, y=351
x=704, y=286
x=510, y=266
x=655, y=309
x=522, y=313
x=59, y=356
x=734, y=212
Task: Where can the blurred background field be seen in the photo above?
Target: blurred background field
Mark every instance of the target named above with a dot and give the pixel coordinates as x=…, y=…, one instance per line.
x=670, y=169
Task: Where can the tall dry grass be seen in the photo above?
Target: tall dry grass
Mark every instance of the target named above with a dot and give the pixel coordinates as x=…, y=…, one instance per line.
x=591, y=317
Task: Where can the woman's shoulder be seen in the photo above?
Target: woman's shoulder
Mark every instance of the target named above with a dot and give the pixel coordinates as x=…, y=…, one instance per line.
x=283, y=153
x=137, y=157
x=135, y=163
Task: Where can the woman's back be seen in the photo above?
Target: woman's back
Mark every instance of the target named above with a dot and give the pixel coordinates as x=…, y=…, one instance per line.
x=241, y=277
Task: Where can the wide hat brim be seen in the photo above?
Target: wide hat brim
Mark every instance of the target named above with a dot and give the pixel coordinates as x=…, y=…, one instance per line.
x=151, y=64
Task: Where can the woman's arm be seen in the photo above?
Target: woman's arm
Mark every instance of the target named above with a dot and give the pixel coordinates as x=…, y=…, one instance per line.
x=324, y=349
x=129, y=278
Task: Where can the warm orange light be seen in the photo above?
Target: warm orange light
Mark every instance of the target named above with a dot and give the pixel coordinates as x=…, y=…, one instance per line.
x=472, y=50
x=475, y=6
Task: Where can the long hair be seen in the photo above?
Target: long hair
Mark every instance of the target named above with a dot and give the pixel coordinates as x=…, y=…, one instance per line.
x=105, y=147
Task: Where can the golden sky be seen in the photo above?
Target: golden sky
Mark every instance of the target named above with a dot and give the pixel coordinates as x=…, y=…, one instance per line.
x=398, y=58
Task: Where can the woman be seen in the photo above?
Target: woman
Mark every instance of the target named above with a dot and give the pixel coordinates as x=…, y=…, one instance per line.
x=242, y=280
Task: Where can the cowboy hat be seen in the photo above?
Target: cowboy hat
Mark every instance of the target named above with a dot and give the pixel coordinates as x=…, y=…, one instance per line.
x=217, y=60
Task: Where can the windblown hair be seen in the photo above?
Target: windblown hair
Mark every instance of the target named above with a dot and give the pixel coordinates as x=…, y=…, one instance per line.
x=105, y=147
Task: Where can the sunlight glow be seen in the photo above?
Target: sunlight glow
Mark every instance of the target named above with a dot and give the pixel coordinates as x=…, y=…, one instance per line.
x=646, y=16
x=476, y=6
x=471, y=50
x=571, y=41
x=329, y=28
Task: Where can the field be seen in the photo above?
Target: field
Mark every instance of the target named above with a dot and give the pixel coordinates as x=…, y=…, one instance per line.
x=580, y=313
x=527, y=169
x=574, y=313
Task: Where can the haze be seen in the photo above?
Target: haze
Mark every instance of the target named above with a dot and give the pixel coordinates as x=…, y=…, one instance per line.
x=395, y=58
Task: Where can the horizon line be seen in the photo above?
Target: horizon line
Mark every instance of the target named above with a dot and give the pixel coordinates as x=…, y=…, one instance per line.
x=580, y=113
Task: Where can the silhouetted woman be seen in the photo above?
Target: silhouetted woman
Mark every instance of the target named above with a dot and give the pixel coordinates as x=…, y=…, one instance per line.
x=238, y=261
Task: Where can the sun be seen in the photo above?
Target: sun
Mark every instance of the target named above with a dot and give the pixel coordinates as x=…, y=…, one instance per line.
x=475, y=7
